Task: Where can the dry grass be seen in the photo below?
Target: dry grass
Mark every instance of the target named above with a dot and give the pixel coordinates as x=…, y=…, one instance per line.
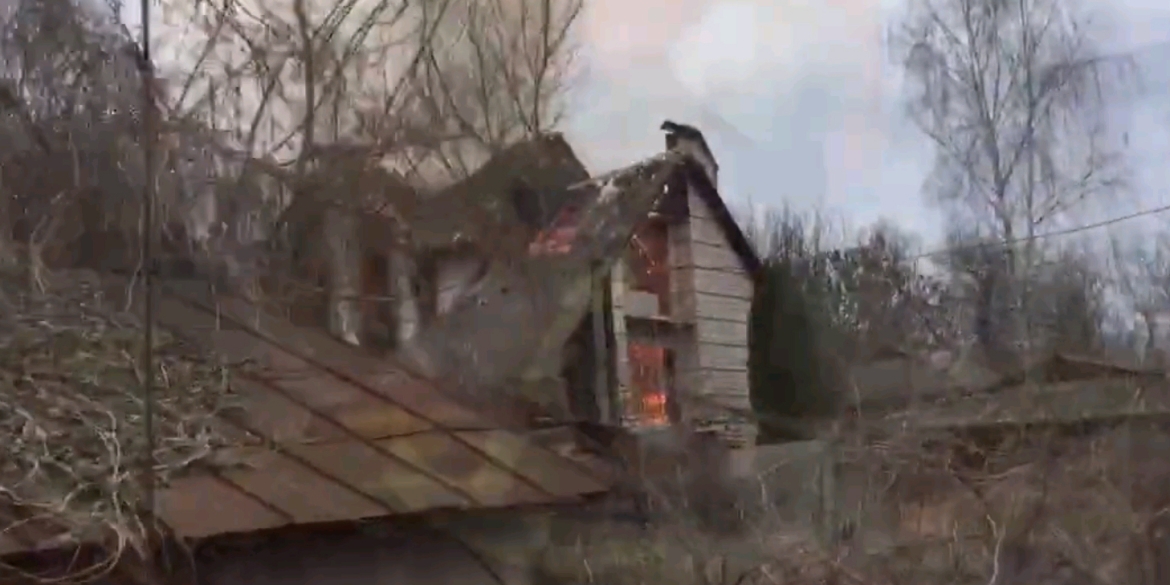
x=994, y=509
x=71, y=415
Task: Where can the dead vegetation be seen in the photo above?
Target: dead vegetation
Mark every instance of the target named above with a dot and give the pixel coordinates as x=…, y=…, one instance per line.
x=72, y=415
x=280, y=99
x=1057, y=506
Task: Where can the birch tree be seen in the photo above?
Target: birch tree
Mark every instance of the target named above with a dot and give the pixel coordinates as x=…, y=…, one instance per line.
x=1142, y=268
x=1013, y=96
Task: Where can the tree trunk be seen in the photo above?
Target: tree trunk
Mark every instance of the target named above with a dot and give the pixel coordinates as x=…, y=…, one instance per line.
x=406, y=309
x=341, y=237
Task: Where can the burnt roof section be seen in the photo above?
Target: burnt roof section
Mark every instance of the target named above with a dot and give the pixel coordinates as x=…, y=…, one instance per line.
x=330, y=434
x=548, y=295
x=561, y=231
x=516, y=191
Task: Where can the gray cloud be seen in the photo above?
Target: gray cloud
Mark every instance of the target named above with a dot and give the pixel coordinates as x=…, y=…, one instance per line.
x=809, y=104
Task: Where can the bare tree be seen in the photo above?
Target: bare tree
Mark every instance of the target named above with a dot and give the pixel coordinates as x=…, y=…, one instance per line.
x=72, y=165
x=1013, y=93
x=1070, y=310
x=502, y=74
x=1142, y=268
x=864, y=285
x=368, y=104
x=981, y=277
x=412, y=78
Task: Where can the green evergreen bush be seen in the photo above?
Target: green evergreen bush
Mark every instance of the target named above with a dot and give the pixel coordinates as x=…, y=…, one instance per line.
x=788, y=369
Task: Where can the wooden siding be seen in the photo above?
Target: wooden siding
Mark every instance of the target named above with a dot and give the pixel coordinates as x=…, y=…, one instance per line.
x=711, y=379
x=722, y=332
x=718, y=259
x=724, y=308
x=721, y=289
x=724, y=282
x=711, y=297
x=724, y=357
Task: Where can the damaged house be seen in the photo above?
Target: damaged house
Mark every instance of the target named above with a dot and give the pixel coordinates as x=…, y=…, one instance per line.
x=525, y=276
x=323, y=463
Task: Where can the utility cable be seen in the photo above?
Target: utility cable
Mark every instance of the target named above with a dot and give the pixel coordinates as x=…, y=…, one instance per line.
x=1052, y=234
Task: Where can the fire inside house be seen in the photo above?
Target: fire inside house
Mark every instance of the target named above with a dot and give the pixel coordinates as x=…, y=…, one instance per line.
x=649, y=264
x=558, y=237
x=649, y=376
x=665, y=317
x=649, y=272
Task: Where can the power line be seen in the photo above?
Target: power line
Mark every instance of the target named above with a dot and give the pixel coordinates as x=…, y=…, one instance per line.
x=1053, y=234
x=988, y=243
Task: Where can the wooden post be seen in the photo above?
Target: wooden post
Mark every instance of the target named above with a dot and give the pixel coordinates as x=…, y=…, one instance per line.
x=828, y=496
x=623, y=393
x=600, y=347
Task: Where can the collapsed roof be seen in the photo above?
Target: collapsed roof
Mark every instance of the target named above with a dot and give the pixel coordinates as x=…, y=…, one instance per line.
x=523, y=311
x=515, y=192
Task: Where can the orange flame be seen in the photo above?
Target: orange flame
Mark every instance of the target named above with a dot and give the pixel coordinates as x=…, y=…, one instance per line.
x=654, y=408
x=647, y=369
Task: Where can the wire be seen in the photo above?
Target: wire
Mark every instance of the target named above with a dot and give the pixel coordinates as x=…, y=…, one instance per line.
x=989, y=244
x=1053, y=234
x=726, y=126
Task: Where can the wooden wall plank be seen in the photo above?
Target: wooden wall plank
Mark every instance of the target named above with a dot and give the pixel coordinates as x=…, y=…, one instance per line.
x=722, y=283
x=717, y=256
x=707, y=231
x=722, y=308
x=722, y=378
x=698, y=207
x=718, y=381
x=723, y=357
x=722, y=332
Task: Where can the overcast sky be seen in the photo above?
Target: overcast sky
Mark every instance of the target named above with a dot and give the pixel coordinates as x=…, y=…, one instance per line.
x=801, y=104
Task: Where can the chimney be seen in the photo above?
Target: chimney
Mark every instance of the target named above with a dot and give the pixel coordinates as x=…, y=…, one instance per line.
x=689, y=140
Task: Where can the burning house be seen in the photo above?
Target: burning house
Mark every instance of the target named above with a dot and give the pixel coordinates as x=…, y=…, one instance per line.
x=671, y=310
x=511, y=307
x=623, y=298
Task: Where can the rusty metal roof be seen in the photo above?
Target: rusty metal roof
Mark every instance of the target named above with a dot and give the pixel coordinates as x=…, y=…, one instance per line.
x=353, y=436
x=329, y=433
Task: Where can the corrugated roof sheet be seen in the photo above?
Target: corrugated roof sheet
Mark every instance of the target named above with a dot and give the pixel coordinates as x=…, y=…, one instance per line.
x=356, y=436
x=333, y=434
